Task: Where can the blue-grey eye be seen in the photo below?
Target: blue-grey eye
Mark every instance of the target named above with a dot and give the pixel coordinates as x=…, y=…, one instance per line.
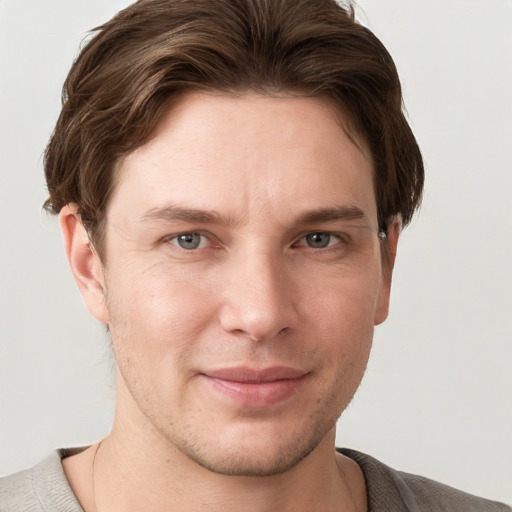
x=318, y=240
x=189, y=241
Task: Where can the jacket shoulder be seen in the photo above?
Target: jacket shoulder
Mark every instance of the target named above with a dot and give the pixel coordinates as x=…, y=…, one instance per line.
x=388, y=489
x=434, y=496
x=43, y=488
x=17, y=493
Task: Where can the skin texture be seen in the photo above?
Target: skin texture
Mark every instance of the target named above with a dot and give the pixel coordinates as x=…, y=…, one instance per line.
x=261, y=184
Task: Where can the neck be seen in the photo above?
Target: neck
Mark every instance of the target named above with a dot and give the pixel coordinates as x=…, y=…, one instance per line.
x=126, y=464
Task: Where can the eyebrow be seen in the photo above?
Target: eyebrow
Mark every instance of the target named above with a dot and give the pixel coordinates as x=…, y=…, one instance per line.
x=174, y=213
x=343, y=213
x=192, y=215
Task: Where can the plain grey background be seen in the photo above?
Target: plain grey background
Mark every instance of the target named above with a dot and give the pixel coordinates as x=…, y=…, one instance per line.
x=436, y=399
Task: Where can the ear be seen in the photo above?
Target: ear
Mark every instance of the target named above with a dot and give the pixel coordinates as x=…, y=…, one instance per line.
x=388, y=262
x=85, y=264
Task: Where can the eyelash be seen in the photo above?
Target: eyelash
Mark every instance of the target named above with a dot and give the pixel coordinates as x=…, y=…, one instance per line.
x=343, y=240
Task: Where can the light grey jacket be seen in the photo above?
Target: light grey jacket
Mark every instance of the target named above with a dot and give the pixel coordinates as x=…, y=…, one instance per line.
x=44, y=488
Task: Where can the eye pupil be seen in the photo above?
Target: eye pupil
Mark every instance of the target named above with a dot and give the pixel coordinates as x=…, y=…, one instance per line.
x=189, y=240
x=318, y=240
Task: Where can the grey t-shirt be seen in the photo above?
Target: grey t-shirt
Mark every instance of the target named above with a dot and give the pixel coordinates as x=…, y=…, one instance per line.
x=44, y=488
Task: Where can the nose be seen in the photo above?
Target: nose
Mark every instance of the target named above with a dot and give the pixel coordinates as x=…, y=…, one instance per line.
x=259, y=299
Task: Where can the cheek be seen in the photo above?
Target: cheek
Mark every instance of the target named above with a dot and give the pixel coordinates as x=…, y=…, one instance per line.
x=346, y=303
x=156, y=321
x=342, y=316
x=157, y=314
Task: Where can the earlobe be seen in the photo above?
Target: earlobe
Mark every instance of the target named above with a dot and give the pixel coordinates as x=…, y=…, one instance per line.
x=388, y=262
x=84, y=262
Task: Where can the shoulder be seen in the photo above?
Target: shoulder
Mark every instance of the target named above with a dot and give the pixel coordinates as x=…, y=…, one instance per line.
x=17, y=493
x=388, y=489
x=39, y=489
x=442, y=497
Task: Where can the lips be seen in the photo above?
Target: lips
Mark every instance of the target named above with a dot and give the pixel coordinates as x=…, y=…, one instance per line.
x=255, y=388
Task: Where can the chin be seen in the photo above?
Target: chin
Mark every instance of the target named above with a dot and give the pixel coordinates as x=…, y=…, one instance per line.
x=251, y=463
x=255, y=452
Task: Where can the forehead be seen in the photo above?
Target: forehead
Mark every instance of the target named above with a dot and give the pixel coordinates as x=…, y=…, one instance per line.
x=248, y=155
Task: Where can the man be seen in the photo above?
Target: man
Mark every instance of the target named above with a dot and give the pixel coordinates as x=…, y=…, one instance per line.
x=231, y=179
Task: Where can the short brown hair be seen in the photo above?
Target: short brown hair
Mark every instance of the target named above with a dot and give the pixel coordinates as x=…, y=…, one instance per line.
x=124, y=78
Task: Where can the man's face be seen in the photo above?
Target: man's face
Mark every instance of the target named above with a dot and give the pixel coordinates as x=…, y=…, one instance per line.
x=243, y=279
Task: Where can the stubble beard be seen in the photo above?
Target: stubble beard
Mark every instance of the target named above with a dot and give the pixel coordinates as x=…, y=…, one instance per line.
x=238, y=456
x=235, y=457
x=238, y=461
